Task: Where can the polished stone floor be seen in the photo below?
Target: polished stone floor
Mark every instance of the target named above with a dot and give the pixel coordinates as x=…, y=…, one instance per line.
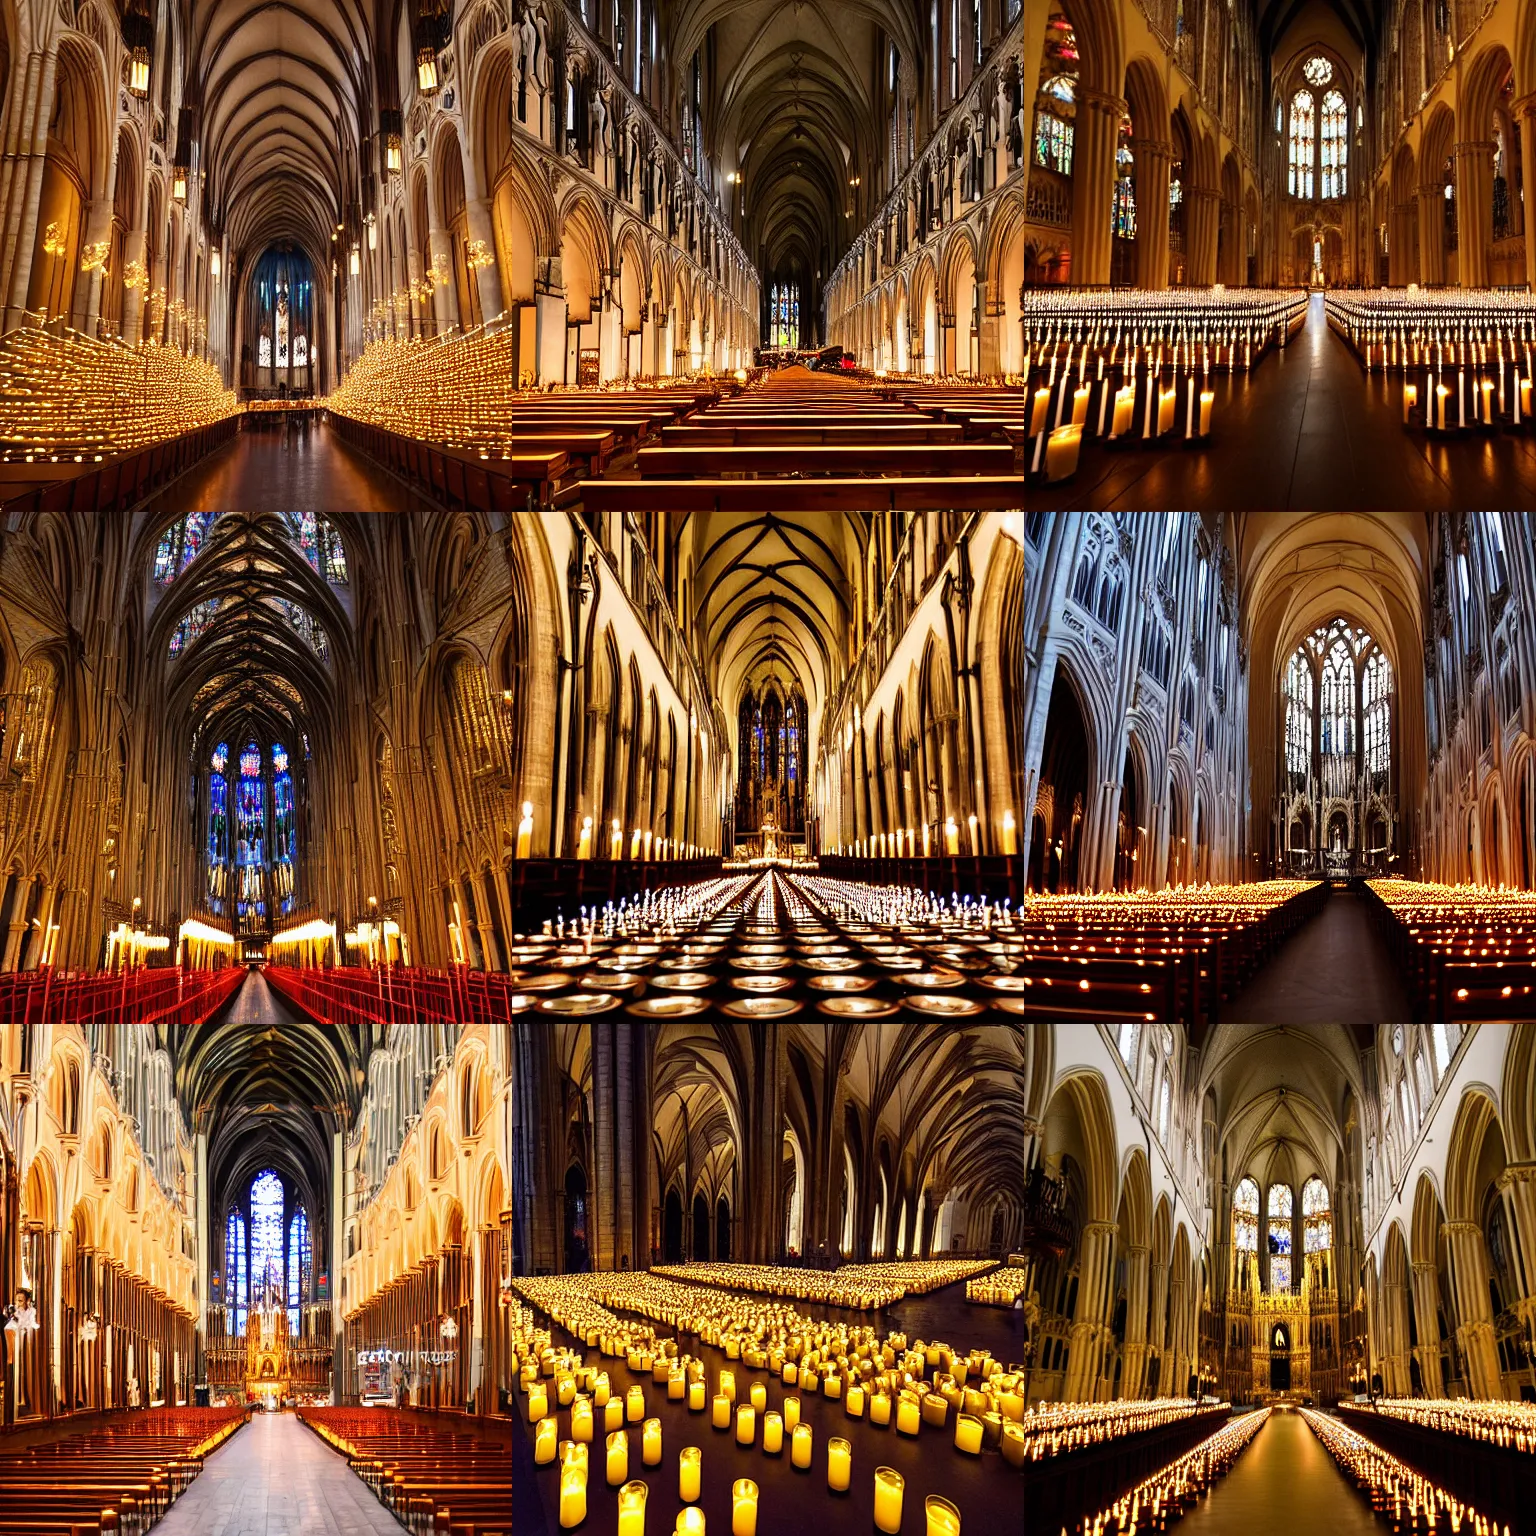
x=257, y=1002
x=276, y=1478
x=1307, y=430
x=289, y=469
x=1335, y=969
x=1283, y=1483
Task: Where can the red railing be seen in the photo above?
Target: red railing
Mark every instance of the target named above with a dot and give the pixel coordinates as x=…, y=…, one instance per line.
x=397, y=994
x=164, y=995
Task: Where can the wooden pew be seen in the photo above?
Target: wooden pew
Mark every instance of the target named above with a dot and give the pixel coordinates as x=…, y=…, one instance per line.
x=860, y=494
x=926, y=459
x=705, y=433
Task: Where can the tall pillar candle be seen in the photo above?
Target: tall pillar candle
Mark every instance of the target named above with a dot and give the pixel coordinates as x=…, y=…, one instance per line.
x=839, y=1463
x=618, y=1458
x=800, y=1448
x=650, y=1442
x=744, y=1507
x=773, y=1433
x=632, y=1498
x=746, y=1424
x=688, y=1465
x=890, y=1487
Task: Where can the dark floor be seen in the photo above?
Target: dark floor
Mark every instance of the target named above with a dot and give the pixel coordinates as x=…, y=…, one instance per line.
x=1335, y=969
x=288, y=469
x=945, y=1314
x=1308, y=430
x=1284, y=1482
x=258, y=1003
x=986, y=1490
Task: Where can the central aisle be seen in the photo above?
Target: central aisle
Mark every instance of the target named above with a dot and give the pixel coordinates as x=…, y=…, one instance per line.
x=275, y=1478
x=258, y=1002
x=1283, y=1483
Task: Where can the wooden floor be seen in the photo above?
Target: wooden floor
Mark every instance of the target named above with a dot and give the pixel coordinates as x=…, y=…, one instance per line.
x=257, y=1003
x=276, y=1478
x=1307, y=430
x=1335, y=969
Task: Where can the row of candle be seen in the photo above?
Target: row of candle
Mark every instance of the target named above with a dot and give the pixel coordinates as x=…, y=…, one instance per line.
x=1415, y=1501
x=1057, y=1429
x=1000, y=1289
x=1506, y=1424
x=849, y=1285
x=1157, y=1501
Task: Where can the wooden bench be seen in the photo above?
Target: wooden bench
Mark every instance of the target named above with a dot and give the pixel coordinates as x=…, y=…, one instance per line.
x=876, y=458
x=830, y=495
x=705, y=433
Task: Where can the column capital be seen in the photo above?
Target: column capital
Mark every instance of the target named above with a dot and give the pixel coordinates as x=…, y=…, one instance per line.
x=1460, y=1229
x=1100, y=101
x=1155, y=149
x=1100, y=1229
x=1516, y=1173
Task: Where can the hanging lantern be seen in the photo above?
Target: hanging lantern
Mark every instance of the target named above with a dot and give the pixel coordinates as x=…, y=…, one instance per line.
x=182, y=164
x=371, y=224
x=179, y=183
x=426, y=58
x=390, y=129
x=139, y=40
x=355, y=261
x=215, y=265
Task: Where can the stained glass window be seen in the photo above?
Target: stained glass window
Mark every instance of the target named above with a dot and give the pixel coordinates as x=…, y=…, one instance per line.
x=264, y=351
x=1280, y=1237
x=266, y=1235
x=236, y=1297
x=181, y=544
x=218, y=827
x=301, y=1261
x=1317, y=1215
x=321, y=545
x=250, y=834
x=1245, y=1217
x=1130, y=1038
x=1335, y=143
x=304, y=624
x=1378, y=713
x=1338, y=720
x=1298, y=715
x=784, y=315
x=284, y=830
x=1053, y=126
x=1123, y=212
x=193, y=622
x=1317, y=71
x=1302, y=144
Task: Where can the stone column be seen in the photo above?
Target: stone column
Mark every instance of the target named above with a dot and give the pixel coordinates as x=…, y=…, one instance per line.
x=1402, y=267
x=1525, y=110
x=1133, y=1374
x=1154, y=159
x=1090, y=1327
x=477, y=214
x=1474, y=212
x=1426, y=1315
x=1094, y=143
x=1474, y=1330
x=445, y=294
x=1432, y=233
x=21, y=215
x=1202, y=207
x=98, y=230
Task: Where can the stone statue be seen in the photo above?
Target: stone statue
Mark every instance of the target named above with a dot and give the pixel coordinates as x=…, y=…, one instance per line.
x=541, y=69
x=529, y=38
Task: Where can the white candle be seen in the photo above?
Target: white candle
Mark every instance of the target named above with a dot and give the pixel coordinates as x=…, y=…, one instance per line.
x=907, y=1415
x=746, y=1424
x=890, y=1486
x=968, y=1434
x=544, y=1442
x=581, y=1421
x=773, y=1433
x=688, y=1474
x=573, y=1496
x=759, y=1396
x=839, y=1460
x=618, y=1458
x=636, y=1400
x=791, y=1413
x=744, y=1507
x=651, y=1443
x=632, y=1509
x=722, y=1412
x=943, y=1517
x=696, y=1397
x=1207, y=399
x=800, y=1448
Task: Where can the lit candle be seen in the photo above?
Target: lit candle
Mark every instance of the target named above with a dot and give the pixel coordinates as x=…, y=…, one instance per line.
x=839, y=1458
x=773, y=1433
x=573, y=1495
x=854, y=1402
x=968, y=1434
x=690, y=1522
x=688, y=1474
x=728, y=1385
x=613, y=1415
x=1410, y=399
x=601, y=1391
x=833, y=1386
x=525, y=831
x=800, y=1448
x=544, y=1442
x=696, y=1397
x=650, y=1443
x=1038, y=414
x=791, y=1413
x=746, y=1424
x=759, y=1396
x=618, y=1458
x=906, y=1416
x=1167, y=400
x=1010, y=835
x=722, y=1414
x=565, y=1390
x=581, y=1421
x=677, y=1386
x=935, y=1410
x=1207, y=399
x=636, y=1399
x=1125, y=404
x=943, y=1517
x=951, y=837
x=632, y=1509
x=617, y=846
x=538, y=1402
x=744, y=1507
x=584, y=851
x=880, y=1410
x=889, y=1488
x=1014, y=1444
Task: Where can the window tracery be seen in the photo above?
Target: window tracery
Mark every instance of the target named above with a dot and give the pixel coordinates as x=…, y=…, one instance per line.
x=1280, y=1207
x=181, y=544
x=1245, y=1217
x=1317, y=1216
x=1302, y=145
x=320, y=544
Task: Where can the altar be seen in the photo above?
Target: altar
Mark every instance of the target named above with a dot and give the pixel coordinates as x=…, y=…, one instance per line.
x=267, y=1375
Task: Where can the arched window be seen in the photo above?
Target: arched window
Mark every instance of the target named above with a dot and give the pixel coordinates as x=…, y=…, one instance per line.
x=321, y=545
x=1109, y=601
x=1317, y=1216
x=1082, y=582
x=1130, y=1038
x=181, y=544
x=236, y=1273
x=1280, y=1237
x=1298, y=718
x=784, y=315
x=1302, y=143
x=303, y=623
x=250, y=834
x=1245, y=1217
x=218, y=828
x=1338, y=719
x=1498, y=563
x=1335, y=144
x=1163, y=1105
x=1124, y=211
x=285, y=837
x=193, y=622
x=301, y=1261
x=266, y=1235
x=1378, y=714
x=1054, y=124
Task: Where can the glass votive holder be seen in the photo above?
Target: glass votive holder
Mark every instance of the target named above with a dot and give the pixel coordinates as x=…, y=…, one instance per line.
x=565, y=1390
x=746, y=1424
x=601, y=1390
x=544, y=1442
x=636, y=1400
x=890, y=1487
x=935, y=1410
x=908, y=1415
x=800, y=1447
x=613, y=1415
x=943, y=1517
x=689, y=1464
x=690, y=1522
x=880, y=1410
x=839, y=1464
x=721, y=1417
x=650, y=1443
x=968, y=1434
x=744, y=1507
x=728, y=1385
x=696, y=1397
x=581, y=1421
x=853, y=1402
x=759, y=1396
x=773, y=1433
x=573, y=1495
x=618, y=1458
x=791, y=1413
x=677, y=1387
x=632, y=1498
x=1013, y=1444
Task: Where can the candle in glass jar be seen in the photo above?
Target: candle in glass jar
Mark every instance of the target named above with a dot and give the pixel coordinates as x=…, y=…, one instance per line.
x=696, y=1397
x=677, y=1387
x=565, y=1390
x=853, y=1402
x=632, y=1509
x=1013, y=1444
x=800, y=1448
x=728, y=1385
x=880, y=1409
x=773, y=1433
x=636, y=1400
x=690, y=1522
x=650, y=1443
x=968, y=1434
x=759, y=1396
x=722, y=1414
x=618, y=1458
x=746, y=1424
x=744, y=1507
x=791, y=1373
x=538, y=1402
x=573, y=1495
x=890, y=1486
x=943, y=1517
x=839, y=1459
x=935, y=1410
x=581, y=1421
x=688, y=1474
x=907, y=1416
x=833, y=1386
x=791, y=1413
x=613, y=1415
x=544, y=1443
